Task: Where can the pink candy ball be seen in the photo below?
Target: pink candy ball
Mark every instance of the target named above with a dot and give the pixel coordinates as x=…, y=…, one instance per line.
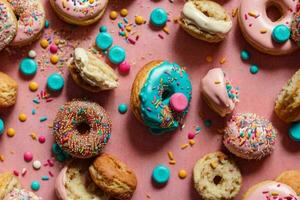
x=42, y=139
x=124, y=67
x=178, y=102
x=28, y=156
x=191, y=135
x=53, y=48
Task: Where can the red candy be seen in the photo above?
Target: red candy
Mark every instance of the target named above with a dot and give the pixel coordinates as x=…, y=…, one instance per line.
x=178, y=102
x=191, y=135
x=42, y=139
x=28, y=156
x=124, y=67
x=53, y=48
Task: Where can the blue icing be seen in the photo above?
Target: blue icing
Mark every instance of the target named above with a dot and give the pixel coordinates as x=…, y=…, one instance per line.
x=163, y=81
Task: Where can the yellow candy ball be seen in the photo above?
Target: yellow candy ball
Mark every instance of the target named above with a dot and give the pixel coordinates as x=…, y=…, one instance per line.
x=128, y=28
x=124, y=12
x=56, y=41
x=11, y=132
x=44, y=43
x=113, y=15
x=33, y=86
x=22, y=117
x=139, y=20
x=91, y=1
x=54, y=59
x=182, y=174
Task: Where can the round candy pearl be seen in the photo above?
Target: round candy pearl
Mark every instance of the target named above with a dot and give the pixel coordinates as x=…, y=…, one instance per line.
x=28, y=156
x=161, y=174
x=32, y=54
x=254, y=69
x=191, y=135
x=42, y=139
x=55, y=82
x=22, y=117
x=139, y=20
x=11, y=132
x=37, y=165
x=245, y=55
x=281, y=33
x=1, y=126
x=104, y=40
x=124, y=12
x=123, y=108
x=103, y=29
x=124, y=67
x=53, y=48
x=54, y=59
x=44, y=43
x=178, y=102
x=28, y=67
x=182, y=174
x=33, y=86
x=294, y=131
x=116, y=55
x=158, y=17
x=35, y=185
x=113, y=15
x=47, y=24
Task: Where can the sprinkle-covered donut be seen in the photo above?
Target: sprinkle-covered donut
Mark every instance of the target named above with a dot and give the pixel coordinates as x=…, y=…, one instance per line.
x=269, y=190
x=82, y=128
x=31, y=20
x=271, y=37
x=160, y=96
x=18, y=194
x=249, y=136
x=79, y=12
x=8, y=24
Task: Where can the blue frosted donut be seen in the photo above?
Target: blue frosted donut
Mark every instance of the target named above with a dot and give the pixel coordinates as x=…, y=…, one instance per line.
x=151, y=92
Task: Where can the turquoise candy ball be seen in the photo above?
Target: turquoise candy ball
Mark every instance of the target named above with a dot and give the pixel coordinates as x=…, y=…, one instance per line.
x=56, y=149
x=281, y=33
x=28, y=67
x=104, y=40
x=1, y=126
x=158, y=17
x=294, y=131
x=103, y=29
x=55, y=82
x=161, y=174
x=116, y=55
x=254, y=69
x=245, y=55
x=35, y=185
x=123, y=108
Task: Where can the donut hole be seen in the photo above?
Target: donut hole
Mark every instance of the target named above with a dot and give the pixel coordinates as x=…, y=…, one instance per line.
x=167, y=93
x=83, y=127
x=217, y=180
x=274, y=11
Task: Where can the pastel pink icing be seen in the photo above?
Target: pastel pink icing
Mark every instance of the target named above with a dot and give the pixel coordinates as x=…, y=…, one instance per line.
x=31, y=20
x=272, y=190
x=252, y=25
x=8, y=27
x=213, y=86
x=60, y=184
x=81, y=9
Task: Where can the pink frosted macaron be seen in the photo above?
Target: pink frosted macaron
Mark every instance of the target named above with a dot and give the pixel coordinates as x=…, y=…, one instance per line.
x=249, y=136
x=74, y=182
x=178, y=102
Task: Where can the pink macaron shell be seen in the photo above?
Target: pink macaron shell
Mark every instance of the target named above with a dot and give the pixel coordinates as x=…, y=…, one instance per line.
x=60, y=189
x=178, y=102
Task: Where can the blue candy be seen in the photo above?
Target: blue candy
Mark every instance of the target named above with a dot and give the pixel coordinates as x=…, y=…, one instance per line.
x=123, y=108
x=161, y=174
x=104, y=40
x=116, y=55
x=294, y=131
x=281, y=33
x=158, y=17
x=245, y=55
x=103, y=29
x=35, y=185
x=28, y=67
x=1, y=126
x=55, y=82
x=254, y=69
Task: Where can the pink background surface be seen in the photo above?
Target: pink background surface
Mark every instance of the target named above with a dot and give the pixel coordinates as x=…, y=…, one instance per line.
x=130, y=140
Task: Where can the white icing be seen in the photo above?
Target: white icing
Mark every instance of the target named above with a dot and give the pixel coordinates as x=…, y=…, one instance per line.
x=204, y=22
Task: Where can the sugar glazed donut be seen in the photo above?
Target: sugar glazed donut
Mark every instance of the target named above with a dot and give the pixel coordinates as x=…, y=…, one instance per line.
x=8, y=24
x=160, y=96
x=249, y=136
x=271, y=37
x=79, y=12
x=82, y=128
x=31, y=20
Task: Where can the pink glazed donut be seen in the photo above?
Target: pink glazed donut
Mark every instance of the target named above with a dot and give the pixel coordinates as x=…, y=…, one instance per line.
x=257, y=27
x=31, y=20
x=79, y=12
